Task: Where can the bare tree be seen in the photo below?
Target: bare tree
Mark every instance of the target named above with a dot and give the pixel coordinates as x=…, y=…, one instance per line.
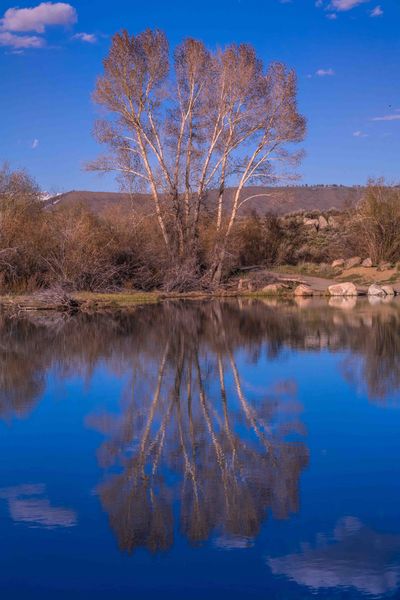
x=209, y=120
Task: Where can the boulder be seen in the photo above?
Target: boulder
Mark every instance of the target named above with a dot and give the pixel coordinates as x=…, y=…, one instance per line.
x=339, y=263
x=343, y=289
x=385, y=266
x=311, y=223
x=366, y=263
x=352, y=262
x=322, y=222
x=333, y=222
x=376, y=290
x=389, y=291
x=303, y=290
x=274, y=288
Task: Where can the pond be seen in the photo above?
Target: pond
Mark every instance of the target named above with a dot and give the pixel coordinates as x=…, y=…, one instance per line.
x=191, y=450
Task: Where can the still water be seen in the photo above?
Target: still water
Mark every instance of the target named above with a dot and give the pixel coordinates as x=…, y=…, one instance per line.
x=234, y=449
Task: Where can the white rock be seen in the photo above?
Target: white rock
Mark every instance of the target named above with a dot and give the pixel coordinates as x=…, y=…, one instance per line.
x=338, y=263
x=303, y=290
x=343, y=289
x=376, y=290
x=389, y=291
x=366, y=263
x=322, y=222
x=311, y=222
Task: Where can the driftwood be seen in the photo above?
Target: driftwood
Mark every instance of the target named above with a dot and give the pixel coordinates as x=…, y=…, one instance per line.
x=54, y=299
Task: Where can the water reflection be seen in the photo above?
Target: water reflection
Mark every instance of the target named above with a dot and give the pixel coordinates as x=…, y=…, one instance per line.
x=194, y=411
x=30, y=347
x=356, y=557
x=29, y=504
x=196, y=442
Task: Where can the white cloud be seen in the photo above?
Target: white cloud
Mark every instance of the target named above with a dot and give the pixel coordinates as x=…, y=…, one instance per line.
x=89, y=38
x=325, y=72
x=331, y=16
x=360, y=134
x=387, y=118
x=20, y=41
x=376, y=12
x=35, y=144
x=343, y=5
x=339, y=5
x=39, y=17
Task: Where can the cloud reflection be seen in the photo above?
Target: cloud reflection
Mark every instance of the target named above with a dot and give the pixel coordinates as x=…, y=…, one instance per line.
x=28, y=504
x=357, y=557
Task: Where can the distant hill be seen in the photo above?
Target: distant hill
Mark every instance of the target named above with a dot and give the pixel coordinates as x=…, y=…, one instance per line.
x=279, y=200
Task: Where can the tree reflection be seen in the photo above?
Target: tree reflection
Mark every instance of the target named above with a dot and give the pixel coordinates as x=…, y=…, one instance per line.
x=196, y=445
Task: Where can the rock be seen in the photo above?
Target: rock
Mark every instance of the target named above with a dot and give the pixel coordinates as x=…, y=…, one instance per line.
x=389, y=291
x=274, y=288
x=311, y=223
x=338, y=263
x=385, y=266
x=303, y=290
x=376, y=290
x=366, y=263
x=322, y=222
x=352, y=262
x=343, y=289
x=333, y=222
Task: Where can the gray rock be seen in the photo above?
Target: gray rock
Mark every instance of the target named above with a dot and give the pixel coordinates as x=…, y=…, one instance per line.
x=343, y=289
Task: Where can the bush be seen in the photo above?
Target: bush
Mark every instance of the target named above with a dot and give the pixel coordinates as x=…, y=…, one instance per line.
x=376, y=223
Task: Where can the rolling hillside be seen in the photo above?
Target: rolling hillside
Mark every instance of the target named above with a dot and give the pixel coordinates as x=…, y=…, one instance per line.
x=279, y=200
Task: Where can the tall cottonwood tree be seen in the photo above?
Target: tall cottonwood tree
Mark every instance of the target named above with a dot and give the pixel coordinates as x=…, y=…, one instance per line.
x=203, y=120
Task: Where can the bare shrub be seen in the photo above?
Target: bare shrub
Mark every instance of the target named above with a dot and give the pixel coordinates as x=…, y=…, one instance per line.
x=376, y=223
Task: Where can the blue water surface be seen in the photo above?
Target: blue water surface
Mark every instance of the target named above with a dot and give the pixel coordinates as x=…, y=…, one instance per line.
x=200, y=451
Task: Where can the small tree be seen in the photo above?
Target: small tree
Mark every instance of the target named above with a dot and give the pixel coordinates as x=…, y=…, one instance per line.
x=209, y=120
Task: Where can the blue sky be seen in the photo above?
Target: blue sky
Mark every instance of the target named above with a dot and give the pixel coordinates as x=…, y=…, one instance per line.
x=346, y=54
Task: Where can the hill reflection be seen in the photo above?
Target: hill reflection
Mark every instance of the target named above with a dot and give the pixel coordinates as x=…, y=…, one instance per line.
x=31, y=346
